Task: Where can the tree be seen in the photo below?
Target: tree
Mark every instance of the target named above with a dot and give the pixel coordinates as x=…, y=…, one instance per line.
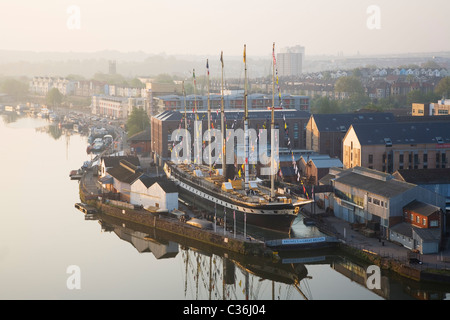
x=443, y=88
x=430, y=64
x=325, y=105
x=136, y=83
x=350, y=85
x=15, y=88
x=54, y=97
x=137, y=121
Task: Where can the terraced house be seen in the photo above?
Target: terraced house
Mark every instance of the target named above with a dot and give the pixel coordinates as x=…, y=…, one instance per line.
x=403, y=145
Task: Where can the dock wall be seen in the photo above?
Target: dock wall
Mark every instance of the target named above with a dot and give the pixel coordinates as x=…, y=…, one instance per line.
x=154, y=220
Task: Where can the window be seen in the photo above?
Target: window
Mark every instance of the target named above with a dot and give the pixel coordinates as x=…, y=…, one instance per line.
x=424, y=221
x=370, y=158
x=400, y=159
x=434, y=223
x=412, y=217
x=418, y=219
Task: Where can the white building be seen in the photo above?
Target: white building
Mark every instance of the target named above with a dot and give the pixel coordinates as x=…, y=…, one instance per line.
x=42, y=85
x=109, y=106
x=290, y=61
x=154, y=192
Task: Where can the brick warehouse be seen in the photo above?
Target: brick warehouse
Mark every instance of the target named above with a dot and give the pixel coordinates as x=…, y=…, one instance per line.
x=291, y=125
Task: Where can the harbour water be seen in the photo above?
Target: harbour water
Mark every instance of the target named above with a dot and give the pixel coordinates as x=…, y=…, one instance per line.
x=43, y=237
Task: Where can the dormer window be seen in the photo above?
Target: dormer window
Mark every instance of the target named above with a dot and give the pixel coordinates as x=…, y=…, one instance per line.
x=388, y=142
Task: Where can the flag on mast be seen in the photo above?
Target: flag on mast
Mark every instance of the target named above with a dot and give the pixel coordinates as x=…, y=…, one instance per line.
x=207, y=66
x=244, y=53
x=221, y=57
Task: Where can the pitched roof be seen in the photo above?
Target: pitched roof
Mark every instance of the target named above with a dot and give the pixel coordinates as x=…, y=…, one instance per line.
x=113, y=161
x=327, y=163
x=421, y=208
x=141, y=136
x=424, y=176
x=402, y=133
x=165, y=184
x=374, y=182
x=341, y=122
x=125, y=172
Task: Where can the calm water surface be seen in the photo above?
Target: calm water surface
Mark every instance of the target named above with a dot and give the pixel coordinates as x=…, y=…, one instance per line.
x=42, y=234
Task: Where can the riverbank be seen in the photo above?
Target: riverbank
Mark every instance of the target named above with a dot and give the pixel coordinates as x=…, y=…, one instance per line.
x=387, y=255
x=383, y=253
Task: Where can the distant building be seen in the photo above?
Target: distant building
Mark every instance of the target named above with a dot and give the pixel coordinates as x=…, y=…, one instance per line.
x=231, y=101
x=405, y=145
x=42, y=85
x=290, y=61
x=112, y=67
x=88, y=88
x=116, y=107
x=441, y=108
x=324, y=132
x=315, y=167
x=382, y=203
x=291, y=124
x=140, y=142
x=109, y=106
x=421, y=109
x=437, y=180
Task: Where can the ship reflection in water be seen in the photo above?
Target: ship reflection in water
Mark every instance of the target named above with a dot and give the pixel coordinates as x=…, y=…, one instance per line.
x=210, y=273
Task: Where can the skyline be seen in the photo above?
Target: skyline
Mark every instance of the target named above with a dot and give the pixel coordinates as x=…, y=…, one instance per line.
x=201, y=27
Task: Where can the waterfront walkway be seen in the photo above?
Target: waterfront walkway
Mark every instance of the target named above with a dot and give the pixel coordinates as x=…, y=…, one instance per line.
x=384, y=248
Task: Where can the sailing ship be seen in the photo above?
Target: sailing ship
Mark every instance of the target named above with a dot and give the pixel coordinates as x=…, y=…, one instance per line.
x=249, y=201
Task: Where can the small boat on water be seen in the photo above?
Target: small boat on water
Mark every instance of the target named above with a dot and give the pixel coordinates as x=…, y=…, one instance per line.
x=89, y=210
x=76, y=174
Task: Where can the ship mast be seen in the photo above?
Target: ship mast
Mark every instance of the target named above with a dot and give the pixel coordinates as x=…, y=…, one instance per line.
x=272, y=129
x=222, y=127
x=185, y=114
x=246, y=135
x=209, y=116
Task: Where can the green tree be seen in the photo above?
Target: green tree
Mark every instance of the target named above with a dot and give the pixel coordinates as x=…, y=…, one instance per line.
x=350, y=85
x=416, y=96
x=15, y=88
x=54, y=98
x=136, y=83
x=443, y=88
x=137, y=121
x=164, y=78
x=325, y=105
x=430, y=64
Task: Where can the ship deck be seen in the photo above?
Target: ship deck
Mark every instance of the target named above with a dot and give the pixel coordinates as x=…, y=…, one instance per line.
x=257, y=194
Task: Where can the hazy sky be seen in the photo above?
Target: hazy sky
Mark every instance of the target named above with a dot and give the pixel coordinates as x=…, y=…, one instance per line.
x=210, y=26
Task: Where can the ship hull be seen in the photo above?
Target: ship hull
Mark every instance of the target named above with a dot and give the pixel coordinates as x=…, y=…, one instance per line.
x=274, y=216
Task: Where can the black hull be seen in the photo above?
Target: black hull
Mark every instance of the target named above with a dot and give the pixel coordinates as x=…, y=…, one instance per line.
x=276, y=222
x=277, y=217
